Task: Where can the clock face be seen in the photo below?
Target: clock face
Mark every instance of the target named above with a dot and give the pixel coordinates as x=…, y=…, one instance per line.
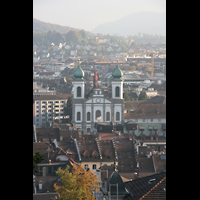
x=98, y=100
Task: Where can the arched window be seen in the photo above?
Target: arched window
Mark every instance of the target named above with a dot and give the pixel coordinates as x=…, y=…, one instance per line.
x=88, y=116
x=78, y=91
x=98, y=114
x=78, y=116
x=117, y=91
x=108, y=116
x=117, y=116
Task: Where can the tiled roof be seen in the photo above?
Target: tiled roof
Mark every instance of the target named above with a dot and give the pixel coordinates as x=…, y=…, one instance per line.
x=128, y=105
x=148, y=111
x=157, y=192
x=142, y=186
x=42, y=148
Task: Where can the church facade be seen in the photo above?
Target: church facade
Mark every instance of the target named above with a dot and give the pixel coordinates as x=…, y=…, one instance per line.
x=96, y=106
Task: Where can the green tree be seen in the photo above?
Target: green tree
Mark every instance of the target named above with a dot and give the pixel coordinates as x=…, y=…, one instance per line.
x=132, y=68
x=68, y=108
x=126, y=96
x=83, y=34
x=148, y=68
x=73, y=36
x=77, y=184
x=37, y=158
x=143, y=95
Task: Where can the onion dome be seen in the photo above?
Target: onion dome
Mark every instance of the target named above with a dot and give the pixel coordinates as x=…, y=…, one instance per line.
x=79, y=73
x=117, y=73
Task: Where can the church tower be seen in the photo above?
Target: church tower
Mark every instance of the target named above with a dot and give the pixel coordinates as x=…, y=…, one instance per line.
x=79, y=85
x=117, y=112
x=117, y=83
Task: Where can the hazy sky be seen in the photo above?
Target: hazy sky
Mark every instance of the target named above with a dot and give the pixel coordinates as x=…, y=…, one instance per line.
x=87, y=14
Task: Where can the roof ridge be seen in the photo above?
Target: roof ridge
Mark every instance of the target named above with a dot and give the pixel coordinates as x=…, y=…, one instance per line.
x=148, y=176
x=153, y=187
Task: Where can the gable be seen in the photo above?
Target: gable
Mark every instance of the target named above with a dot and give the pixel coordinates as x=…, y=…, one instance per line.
x=107, y=101
x=89, y=101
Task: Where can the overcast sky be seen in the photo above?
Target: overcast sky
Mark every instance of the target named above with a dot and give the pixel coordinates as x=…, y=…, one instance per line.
x=87, y=14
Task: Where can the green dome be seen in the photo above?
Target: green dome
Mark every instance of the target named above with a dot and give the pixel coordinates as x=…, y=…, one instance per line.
x=79, y=73
x=117, y=73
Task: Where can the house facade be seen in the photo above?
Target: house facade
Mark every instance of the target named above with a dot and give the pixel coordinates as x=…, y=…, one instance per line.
x=96, y=106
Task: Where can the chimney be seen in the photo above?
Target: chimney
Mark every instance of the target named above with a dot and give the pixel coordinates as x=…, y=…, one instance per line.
x=40, y=185
x=137, y=171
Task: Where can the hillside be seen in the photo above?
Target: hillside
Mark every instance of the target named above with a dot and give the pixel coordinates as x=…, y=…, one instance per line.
x=143, y=22
x=40, y=26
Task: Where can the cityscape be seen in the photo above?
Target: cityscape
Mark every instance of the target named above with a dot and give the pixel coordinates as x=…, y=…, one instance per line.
x=99, y=114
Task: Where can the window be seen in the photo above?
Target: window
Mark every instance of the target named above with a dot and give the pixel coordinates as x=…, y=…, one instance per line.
x=143, y=120
x=151, y=120
x=78, y=116
x=88, y=130
x=108, y=116
x=88, y=116
x=86, y=166
x=94, y=166
x=159, y=120
x=98, y=113
x=117, y=91
x=78, y=91
x=129, y=154
x=117, y=116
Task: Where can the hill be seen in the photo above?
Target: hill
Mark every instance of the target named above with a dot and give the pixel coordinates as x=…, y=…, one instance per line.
x=143, y=22
x=40, y=26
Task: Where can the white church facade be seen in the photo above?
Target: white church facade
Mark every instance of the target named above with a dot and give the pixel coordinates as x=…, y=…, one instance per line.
x=96, y=107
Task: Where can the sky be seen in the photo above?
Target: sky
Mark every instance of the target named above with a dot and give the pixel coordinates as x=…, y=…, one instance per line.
x=88, y=14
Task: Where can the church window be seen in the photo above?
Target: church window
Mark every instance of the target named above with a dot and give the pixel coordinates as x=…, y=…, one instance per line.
x=78, y=91
x=78, y=116
x=108, y=116
x=117, y=91
x=88, y=116
x=98, y=114
x=117, y=116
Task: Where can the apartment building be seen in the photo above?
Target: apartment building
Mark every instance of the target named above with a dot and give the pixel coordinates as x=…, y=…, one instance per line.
x=47, y=108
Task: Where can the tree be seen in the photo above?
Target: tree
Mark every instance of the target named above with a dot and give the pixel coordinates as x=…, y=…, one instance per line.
x=143, y=95
x=73, y=36
x=77, y=184
x=126, y=97
x=68, y=108
x=37, y=158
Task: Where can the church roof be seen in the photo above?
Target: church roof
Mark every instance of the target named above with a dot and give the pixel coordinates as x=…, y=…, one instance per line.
x=79, y=73
x=117, y=73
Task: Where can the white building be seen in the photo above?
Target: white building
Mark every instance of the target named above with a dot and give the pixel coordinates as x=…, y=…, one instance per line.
x=47, y=108
x=95, y=107
x=37, y=91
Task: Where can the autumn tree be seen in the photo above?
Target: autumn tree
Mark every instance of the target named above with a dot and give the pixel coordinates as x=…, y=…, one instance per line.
x=77, y=184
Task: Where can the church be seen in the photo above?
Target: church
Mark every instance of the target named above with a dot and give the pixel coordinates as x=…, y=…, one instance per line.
x=97, y=107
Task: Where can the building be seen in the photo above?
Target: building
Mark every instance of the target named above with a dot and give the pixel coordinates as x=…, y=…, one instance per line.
x=37, y=91
x=47, y=108
x=96, y=106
